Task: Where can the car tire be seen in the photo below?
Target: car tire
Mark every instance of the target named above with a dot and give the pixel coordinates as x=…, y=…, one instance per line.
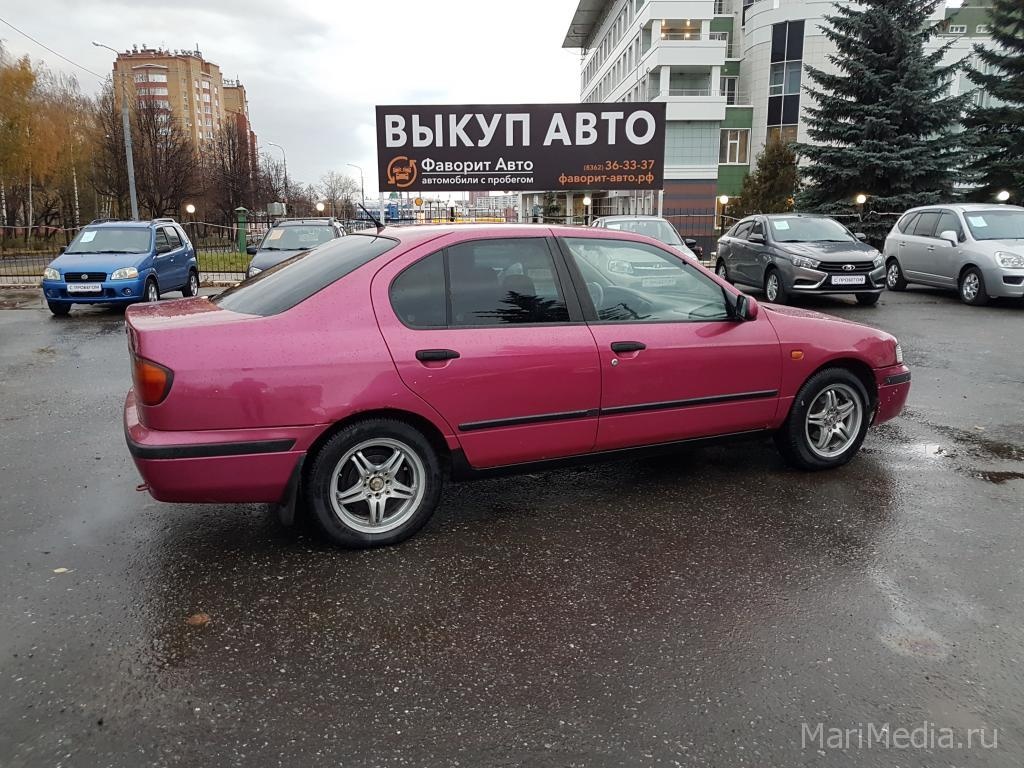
x=972, y=288
x=894, y=279
x=192, y=286
x=387, y=502
x=59, y=308
x=722, y=271
x=774, y=288
x=151, y=292
x=868, y=299
x=802, y=440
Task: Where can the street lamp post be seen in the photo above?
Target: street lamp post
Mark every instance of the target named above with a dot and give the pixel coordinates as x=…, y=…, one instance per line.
x=284, y=158
x=362, y=187
x=723, y=200
x=587, y=202
x=860, y=200
x=126, y=123
x=1002, y=196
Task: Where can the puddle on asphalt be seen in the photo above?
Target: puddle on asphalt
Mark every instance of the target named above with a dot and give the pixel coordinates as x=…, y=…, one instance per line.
x=997, y=477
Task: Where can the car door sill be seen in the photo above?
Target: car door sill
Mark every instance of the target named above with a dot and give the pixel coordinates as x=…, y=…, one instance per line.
x=463, y=470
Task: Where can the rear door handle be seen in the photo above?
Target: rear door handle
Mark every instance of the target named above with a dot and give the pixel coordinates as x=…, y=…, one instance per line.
x=434, y=355
x=628, y=346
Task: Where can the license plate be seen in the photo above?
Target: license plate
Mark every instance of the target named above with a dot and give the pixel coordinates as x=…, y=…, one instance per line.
x=658, y=282
x=848, y=279
x=85, y=288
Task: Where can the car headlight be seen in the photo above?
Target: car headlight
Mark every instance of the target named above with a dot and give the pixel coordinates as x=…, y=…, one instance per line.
x=622, y=267
x=803, y=261
x=879, y=261
x=125, y=273
x=51, y=274
x=1010, y=260
x=253, y=271
x=899, y=354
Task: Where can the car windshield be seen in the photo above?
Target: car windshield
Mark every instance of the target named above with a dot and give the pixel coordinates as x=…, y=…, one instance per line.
x=297, y=238
x=111, y=240
x=996, y=224
x=659, y=229
x=809, y=230
x=296, y=279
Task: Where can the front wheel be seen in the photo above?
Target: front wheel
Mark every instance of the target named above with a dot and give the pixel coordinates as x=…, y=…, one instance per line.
x=827, y=422
x=722, y=271
x=868, y=299
x=192, y=286
x=774, y=290
x=972, y=288
x=58, y=308
x=152, y=292
x=374, y=483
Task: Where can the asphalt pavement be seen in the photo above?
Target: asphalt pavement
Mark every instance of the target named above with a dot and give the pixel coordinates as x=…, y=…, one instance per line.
x=712, y=608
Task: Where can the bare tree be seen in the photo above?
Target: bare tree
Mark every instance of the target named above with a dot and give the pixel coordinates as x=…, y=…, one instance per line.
x=229, y=172
x=337, y=191
x=166, y=164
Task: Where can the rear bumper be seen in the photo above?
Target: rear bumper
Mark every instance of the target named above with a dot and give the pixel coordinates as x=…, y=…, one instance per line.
x=893, y=389
x=243, y=465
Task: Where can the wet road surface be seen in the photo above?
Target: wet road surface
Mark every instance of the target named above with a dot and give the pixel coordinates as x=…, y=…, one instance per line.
x=711, y=608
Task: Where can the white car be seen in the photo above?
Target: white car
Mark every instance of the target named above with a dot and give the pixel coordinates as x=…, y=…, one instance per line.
x=652, y=226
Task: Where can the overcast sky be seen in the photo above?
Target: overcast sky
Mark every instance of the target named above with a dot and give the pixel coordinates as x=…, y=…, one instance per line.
x=314, y=69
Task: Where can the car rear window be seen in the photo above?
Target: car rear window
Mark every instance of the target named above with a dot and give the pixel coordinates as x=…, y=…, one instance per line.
x=296, y=279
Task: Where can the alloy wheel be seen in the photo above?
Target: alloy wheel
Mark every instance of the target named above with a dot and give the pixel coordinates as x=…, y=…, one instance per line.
x=833, y=420
x=892, y=276
x=151, y=292
x=193, y=284
x=970, y=287
x=377, y=485
x=771, y=289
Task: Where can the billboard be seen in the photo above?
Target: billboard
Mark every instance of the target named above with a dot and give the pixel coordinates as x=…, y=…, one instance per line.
x=536, y=147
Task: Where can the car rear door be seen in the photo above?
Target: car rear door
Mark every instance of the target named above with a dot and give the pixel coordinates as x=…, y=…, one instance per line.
x=489, y=332
x=914, y=255
x=674, y=365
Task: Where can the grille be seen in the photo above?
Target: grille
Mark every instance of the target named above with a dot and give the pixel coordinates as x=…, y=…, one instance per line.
x=652, y=268
x=85, y=277
x=859, y=267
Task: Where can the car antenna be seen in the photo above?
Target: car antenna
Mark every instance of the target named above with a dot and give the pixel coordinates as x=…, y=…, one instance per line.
x=374, y=219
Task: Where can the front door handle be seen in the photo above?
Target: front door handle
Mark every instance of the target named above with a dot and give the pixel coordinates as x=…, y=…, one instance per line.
x=435, y=355
x=628, y=346
x=931, y=247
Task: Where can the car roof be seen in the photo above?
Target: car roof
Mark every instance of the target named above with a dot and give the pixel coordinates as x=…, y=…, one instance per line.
x=421, y=233
x=304, y=222
x=129, y=223
x=964, y=207
x=629, y=217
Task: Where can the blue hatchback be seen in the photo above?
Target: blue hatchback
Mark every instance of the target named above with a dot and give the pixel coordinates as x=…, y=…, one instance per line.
x=121, y=262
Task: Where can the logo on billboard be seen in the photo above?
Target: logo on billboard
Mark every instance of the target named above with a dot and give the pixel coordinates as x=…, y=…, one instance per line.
x=402, y=172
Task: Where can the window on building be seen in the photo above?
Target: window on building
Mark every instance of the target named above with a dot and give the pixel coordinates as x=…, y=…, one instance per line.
x=784, y=133
x=727, y=87
x=957, y=29
x=734, y=146
x=982, y=29
x=784, y=80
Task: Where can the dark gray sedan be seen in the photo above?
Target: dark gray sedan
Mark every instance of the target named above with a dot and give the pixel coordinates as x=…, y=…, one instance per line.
x=787, y=254
x=288, y=237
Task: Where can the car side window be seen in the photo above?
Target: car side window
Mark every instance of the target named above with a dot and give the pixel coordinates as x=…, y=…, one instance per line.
x=925, y=224
x=636, y=282
x=906, y=224
x=172, y=237
x=743, y=229
x=418, y=294
x=504, y=281
x=162, y=243
x=949, y=221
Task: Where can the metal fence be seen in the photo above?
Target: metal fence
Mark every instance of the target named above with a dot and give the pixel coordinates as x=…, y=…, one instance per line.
x=703, y=225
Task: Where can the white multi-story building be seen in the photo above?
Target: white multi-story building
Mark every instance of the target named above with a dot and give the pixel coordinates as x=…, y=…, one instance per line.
x=732, y=75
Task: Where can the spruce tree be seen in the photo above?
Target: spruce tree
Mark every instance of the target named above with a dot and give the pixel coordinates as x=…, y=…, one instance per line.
x=996, y=132
x=772, y=185
x=882, y=125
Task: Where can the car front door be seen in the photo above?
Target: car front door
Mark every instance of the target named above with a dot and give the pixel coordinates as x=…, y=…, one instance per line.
x=489, y=332
x=736, y=254
x=914, y=255
x=943, y=257
x=178, y=259
x=756, y=254
x=675, y=364
x=162, y=260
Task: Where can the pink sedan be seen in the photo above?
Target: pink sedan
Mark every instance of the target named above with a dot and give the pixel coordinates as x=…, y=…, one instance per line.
x=356, y=377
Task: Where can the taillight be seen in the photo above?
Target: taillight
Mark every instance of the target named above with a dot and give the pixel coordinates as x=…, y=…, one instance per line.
x=152, y=380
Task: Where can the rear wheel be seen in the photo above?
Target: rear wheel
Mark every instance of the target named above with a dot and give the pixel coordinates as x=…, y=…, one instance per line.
x=774, y=290
x=722, y=271
x=192, y=286
x=374, y=483
x=894, y=279
x=152, y=291
x=972, y=287
x=59, y=308
x=868, y=299
x=827, y=422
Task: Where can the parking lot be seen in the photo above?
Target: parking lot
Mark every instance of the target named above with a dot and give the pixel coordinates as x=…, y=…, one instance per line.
x=702, y=609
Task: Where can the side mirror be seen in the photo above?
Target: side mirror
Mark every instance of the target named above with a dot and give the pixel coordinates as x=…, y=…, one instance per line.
x=746, y=307
x=690, y=242
x=62, y=249
x=860, y=235
x=950, y=237
x=252, y=249
x=757, y=238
